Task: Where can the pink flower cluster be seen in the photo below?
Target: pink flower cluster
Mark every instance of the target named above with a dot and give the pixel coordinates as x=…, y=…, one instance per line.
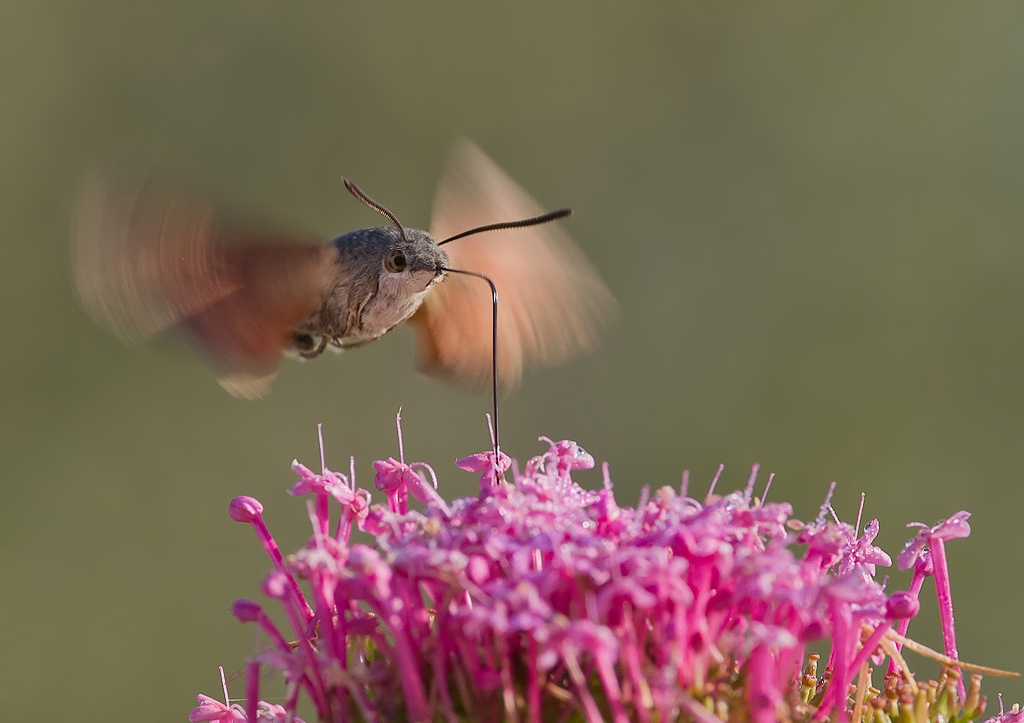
x=540, y=600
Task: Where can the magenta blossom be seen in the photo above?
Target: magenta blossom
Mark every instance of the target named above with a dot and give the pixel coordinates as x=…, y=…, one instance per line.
x=541, y=600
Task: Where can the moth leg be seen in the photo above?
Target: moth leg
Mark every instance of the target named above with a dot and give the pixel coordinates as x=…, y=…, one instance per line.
x=307, y=346
x=354, y=344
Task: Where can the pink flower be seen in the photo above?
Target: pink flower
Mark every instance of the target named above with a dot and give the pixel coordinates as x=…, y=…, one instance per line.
x=934, y=540
x=539, y=599
x=948, y=529
x=210, y=709
x=485, y=462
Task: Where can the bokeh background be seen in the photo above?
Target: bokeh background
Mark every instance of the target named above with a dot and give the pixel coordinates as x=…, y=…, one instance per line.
x=810, y=213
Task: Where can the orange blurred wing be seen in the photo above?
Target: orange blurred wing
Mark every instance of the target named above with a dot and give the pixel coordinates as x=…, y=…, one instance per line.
x=148, y=258
x=551, y=302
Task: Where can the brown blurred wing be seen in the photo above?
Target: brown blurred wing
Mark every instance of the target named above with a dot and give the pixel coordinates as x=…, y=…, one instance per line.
x=148, y=258
x=551, y=302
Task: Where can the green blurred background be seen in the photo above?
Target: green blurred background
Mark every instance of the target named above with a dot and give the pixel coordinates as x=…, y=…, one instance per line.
x=810, y=213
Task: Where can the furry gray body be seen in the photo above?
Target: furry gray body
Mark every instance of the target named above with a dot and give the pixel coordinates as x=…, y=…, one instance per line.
x=366, y=298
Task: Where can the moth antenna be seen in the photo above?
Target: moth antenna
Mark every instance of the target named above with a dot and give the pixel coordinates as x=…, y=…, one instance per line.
x=536, y=220
x=494, y=353
x=361, y=195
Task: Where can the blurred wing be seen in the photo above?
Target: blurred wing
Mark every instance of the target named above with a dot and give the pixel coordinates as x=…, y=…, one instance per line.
x=148, y=258
x=551, y=302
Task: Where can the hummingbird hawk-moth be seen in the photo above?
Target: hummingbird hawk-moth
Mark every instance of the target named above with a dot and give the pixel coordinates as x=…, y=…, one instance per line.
x=150, y=258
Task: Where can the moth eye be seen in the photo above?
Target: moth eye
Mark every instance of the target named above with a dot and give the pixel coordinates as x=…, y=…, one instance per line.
x=395, y=262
